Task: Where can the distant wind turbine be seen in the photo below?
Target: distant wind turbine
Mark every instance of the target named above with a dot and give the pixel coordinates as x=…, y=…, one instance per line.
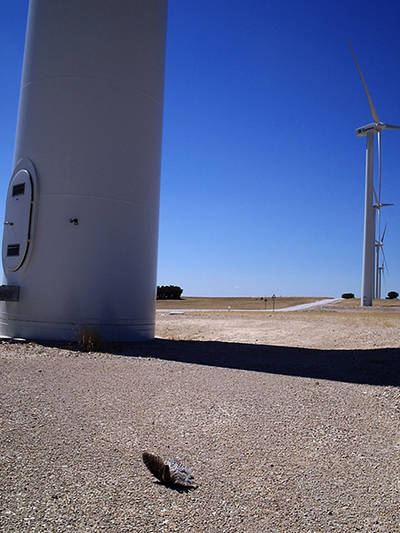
x=380, y=267
x=368, y=281
x=379, y=240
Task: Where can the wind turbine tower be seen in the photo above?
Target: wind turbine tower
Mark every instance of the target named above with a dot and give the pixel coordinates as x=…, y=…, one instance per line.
x=81, y=228
x=368, y=271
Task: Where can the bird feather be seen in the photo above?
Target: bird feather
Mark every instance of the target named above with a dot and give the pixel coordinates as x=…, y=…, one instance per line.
x=170, y=472
x=155, y=464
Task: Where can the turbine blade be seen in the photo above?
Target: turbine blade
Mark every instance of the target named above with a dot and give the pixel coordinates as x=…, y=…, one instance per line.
x=383, y=234
x=386, y=205
x=384, y=261
x=378, y=204
x=371, y=105
x=391, y=127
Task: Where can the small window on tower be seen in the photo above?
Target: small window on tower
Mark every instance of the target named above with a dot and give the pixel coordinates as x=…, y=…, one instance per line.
x=18, y=189
x=13, y=249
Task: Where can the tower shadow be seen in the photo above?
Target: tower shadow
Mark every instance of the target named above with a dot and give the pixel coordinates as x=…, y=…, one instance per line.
x=372, y=367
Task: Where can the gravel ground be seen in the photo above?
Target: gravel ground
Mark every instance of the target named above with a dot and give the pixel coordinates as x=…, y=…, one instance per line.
x=280, y=439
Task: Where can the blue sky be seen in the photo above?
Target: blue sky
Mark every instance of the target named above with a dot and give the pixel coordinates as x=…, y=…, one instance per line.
x=262, y=173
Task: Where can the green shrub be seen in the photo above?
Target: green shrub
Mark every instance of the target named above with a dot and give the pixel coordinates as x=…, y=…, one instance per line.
x=392, y=295
x=169, y=292
x=348, y=295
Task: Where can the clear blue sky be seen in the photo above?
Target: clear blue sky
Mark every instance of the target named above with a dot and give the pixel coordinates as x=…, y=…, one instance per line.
x=262, y=174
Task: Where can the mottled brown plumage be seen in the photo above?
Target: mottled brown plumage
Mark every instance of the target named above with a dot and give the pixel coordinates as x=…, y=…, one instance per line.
x=170, y=472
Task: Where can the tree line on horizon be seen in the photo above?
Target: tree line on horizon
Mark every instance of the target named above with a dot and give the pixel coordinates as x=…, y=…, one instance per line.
x=169, y=292
x=391, y=295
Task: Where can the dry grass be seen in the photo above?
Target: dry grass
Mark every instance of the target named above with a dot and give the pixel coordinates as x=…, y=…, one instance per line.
x=340, y=329
x=377, y=305
x=355, y=302
x=191, y=302
x=89, y=340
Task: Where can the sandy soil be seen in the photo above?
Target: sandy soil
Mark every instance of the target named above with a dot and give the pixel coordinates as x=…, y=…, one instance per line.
x=291, y=423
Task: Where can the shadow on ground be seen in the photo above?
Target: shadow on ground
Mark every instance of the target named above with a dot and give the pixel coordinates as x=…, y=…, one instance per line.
x=373, y=367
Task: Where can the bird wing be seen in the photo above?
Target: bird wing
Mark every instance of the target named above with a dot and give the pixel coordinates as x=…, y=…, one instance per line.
x=155, y=464
x=180, y=474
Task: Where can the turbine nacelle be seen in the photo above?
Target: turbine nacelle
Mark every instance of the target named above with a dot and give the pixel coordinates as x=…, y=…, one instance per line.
x=375, y=127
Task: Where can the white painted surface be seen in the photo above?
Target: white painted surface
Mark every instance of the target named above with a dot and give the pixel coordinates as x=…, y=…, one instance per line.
x=368, y=271
x=90, y=122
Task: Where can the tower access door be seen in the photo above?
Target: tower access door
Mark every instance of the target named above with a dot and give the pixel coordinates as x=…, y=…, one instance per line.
x=17, y=224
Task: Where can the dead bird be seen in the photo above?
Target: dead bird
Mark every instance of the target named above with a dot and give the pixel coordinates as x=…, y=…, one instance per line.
x=170, y=472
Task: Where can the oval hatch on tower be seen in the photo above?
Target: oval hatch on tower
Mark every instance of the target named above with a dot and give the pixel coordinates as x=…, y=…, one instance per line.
x=17, y=224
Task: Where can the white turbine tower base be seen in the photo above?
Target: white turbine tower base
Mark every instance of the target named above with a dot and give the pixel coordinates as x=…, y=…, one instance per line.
x=80, y=239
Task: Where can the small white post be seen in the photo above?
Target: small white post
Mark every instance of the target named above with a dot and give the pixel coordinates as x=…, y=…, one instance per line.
x=367, y=289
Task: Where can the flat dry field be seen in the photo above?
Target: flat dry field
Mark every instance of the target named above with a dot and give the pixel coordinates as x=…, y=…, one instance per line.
x=378, y=305
x=290, y=421
x=334, y=327
x=192, y=302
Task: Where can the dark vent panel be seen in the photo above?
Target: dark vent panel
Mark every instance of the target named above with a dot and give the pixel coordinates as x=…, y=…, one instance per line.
x=13, y=249
x=18, y=189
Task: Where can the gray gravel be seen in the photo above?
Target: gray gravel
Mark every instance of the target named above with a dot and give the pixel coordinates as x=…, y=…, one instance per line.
x=271, y=452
